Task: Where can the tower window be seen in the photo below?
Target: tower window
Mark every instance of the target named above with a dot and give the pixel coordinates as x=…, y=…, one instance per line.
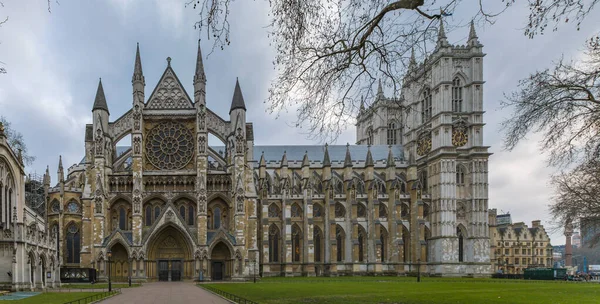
x=426, y=108
x=392, y=134
x=460, y=175
x=457, y=98
x=369, y=136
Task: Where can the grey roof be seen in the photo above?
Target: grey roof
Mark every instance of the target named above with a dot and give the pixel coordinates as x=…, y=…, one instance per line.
x=100, y=102
x=238, y=100
x=120, y=151
x=336, y=152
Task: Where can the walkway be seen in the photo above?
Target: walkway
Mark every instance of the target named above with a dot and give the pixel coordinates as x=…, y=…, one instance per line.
x=166, y=292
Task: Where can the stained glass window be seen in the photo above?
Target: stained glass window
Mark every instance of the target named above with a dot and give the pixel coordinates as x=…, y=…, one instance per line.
x=73, y=207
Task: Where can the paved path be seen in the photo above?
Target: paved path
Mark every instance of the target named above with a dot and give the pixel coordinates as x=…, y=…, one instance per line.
x=166, y=292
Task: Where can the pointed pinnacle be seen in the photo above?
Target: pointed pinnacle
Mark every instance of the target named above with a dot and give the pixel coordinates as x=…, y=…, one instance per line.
x=60, y=165
x=238, y=99
x=369, y=162
x=390, y=160
x=199, y=75
x=262, y=162
x=362, y=103
x=284, y=160
x=348, y=159
x=100, y=100
x=326, y=161
x=441, y=33
x=137, y=70
x=305, y=162
x=379, y=89
x=472, y=33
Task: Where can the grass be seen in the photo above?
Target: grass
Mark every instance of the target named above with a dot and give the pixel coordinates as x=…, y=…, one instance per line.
x=53, y=298
x=98, y=286
x=407, y=291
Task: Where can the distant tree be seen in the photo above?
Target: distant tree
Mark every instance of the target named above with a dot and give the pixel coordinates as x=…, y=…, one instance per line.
x=16, y=141
x=329, y=53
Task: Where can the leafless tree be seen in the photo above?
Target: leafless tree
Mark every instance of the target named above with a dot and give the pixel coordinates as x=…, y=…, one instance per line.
x=578, y=195
x=330, y=53
x=16, y=141
x=563, y=104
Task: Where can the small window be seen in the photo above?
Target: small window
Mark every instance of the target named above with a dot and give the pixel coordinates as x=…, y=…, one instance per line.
x=190, y=215
x=148, y=215
x=361, y=210
x=156, y=212
x=426, y=107
x=392, y=134
x=369, y=136
x=460, y=175
x=317, y=211
x=340, y=211
x=457, y=95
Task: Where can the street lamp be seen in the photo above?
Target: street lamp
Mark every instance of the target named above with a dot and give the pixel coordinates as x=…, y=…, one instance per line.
x=109, y=255
x=418, y=270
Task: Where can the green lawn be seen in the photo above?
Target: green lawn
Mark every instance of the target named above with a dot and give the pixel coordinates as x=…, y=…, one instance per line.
x=97, y=286
x=53, y=298
x=408, y=291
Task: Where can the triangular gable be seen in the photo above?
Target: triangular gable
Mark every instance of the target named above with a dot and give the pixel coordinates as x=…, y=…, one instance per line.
x=169, y=94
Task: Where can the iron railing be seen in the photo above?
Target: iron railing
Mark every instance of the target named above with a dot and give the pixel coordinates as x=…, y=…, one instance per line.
x=96, y=297
x=229, y=296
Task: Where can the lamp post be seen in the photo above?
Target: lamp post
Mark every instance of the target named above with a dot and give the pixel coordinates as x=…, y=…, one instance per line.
x=418, y=270
x=109, y=255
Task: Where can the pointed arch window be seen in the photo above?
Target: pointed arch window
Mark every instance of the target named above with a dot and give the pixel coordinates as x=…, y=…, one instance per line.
x=426, y=107
x=73, y=244
x=273, y=243
x=296, y=243
x=392, y=133
x=122, y=218
x=460, y=175
x=382, y=239
x=318, y=237
x=182, y=211
x=217, y=218
x=296, y=210
x=457, y=98
x=317, y=210
x=382, y=211
x=369, y=136
x=148, y=215
x=156, y=212
x=361, y=244
x=460, y=236
x=191, y=215
x=340, y=211
x=361, y=211
x=339, y=238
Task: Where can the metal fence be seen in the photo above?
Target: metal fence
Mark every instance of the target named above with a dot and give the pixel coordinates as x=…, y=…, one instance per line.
x=228, y=296
x=96, y=297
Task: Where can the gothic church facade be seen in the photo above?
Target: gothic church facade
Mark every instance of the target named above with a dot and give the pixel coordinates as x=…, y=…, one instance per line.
x=172, y=207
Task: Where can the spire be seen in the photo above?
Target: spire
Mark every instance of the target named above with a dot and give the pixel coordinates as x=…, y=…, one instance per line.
x=238, y=100
x=305, y=162
x=47, y=176
x=369, y=162
x=390, y=160
x=348, y=159
x=326, y=161
x=442, y=39
x=379, y=89
x=412, y=62
x=100, y=102
x=61, y=175
x=262, y=162
x=472, y=35
x=442, y=33
x=362, y=103
x=284, y=161
x=138, y=74
x=199, y=76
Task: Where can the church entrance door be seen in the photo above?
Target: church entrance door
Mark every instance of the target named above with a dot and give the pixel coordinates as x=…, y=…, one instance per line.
x=169, y=256
x=176, y=270
x=163, y=270
x=221, y=263
x=217, y=268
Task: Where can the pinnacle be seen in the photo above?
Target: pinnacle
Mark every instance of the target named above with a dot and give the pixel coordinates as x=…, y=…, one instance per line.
x=199, y=75
x=238, y=99
x=442, y=32
x=369, y=161
x=100, y=101
x=472, y=33
x=348, y=159
x=326, y=161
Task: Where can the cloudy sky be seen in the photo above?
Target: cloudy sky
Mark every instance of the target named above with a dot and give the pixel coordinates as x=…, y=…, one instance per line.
x=54, y=61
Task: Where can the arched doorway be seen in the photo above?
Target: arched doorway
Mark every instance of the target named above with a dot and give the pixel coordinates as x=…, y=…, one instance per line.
x=119, y=270
x=169, y=256
x=221, y=263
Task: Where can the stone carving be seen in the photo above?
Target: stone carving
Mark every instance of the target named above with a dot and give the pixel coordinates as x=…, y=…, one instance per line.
x=170, y=215
x=201, y=144
x=170, y=146
x=137, y=115
x=169, y=94
x=99, y=194
x=99, y=141
x=136, y=145
x=201, y=117
x=239, y=141
x=121, y=125
x=202, y=200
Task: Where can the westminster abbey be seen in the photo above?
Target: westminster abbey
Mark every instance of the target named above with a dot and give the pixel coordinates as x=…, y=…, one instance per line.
x=412, y=194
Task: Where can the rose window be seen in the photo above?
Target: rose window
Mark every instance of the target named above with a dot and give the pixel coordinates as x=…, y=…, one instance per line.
x=170, y=146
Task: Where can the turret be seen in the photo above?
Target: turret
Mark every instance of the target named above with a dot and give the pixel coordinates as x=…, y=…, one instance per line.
x=284, y=165
x=379, y=91
x=369, y=165
x=237, y=113
x=199, y=79
x=262, y=171
x=60, y=172
x=47, y=181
